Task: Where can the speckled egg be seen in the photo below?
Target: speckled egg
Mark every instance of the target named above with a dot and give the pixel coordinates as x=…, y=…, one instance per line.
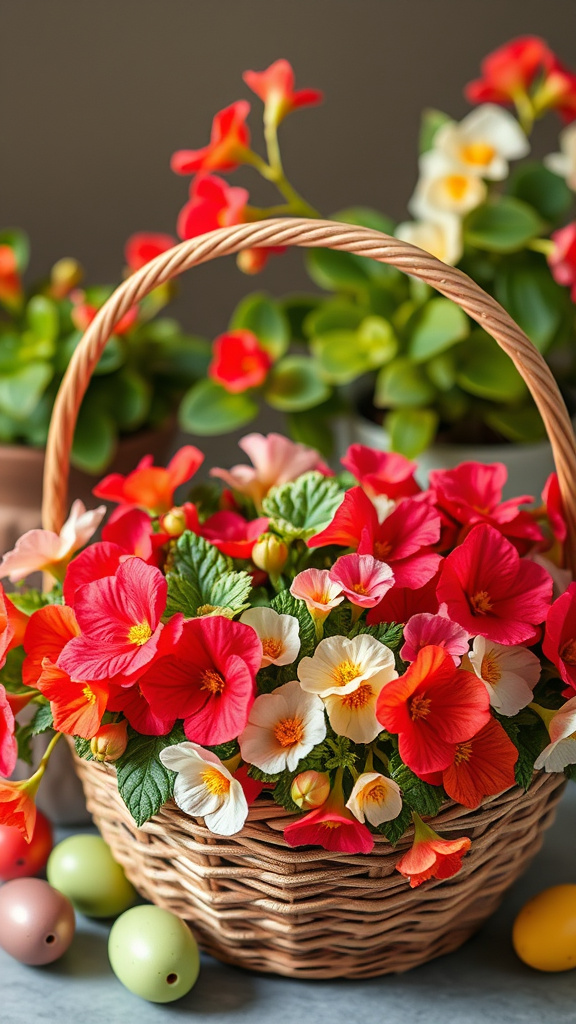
x=36, y=922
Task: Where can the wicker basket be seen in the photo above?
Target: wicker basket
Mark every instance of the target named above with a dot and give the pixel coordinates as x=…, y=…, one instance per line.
x=252, y=900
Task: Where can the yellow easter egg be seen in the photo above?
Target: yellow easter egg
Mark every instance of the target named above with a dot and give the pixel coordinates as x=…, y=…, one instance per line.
x=544, y=933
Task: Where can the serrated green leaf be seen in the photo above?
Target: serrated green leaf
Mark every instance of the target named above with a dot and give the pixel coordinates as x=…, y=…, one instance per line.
x=395, y=829
x=303, y=507
x=529, y=740
x=199, y=575
x=29, y=601
x=42, y=720
x=82, y=748
x=285, y=604
x=389, y=634
x=23, y=734
x=143, y=782
x=421, y=797
x=11, y=671
x=225, y=750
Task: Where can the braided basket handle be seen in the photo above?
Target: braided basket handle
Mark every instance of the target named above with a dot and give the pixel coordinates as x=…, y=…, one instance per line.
x=310, y=234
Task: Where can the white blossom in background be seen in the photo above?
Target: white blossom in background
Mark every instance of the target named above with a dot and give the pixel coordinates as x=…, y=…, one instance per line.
x=483, y=142
x=564, y=162
x=204, y=788
x=561, y=751
x=445, y=188
x=441, y=238
x=508, y=673
x=279, y=635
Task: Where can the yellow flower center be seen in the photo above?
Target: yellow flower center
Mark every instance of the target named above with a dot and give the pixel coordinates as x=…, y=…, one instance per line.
x=490, y=669
x=89, y=694
x=212, y=681
x=359, y=588
x=456, y=185
x=463, y=752
x=140, y=633
x=289, y=731
x=358, y=698
x=331, y=824
x=568, y=652
x=272, y=648
x=419, y=707
x=215, y=782
x=345, y=672
x=376, y=793
x=481, y=603
x=481, y=154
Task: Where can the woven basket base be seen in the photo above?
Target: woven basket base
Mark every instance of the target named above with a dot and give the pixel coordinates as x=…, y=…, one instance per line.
x=254, y=902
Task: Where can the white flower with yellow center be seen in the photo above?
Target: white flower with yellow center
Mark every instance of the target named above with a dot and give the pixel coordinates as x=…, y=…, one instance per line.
x=508, y=673
x=375, y=798
x=445, y=188
x=283, y=726
x=561, y=751
x=340, y=665
x=483, y=142
x=279, y=635
x=564, y=162
x=204, y=788
x=441, y=237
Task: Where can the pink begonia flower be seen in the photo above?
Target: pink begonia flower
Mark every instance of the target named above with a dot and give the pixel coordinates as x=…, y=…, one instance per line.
x=472, y=493
x=45, y=551
x=232, y=534
x=381, y=472
x=120, y=624
x=364, y=580
x=320, y=593
x=561, y=725
x=490, y=591
x=424, y=629
x=275, y=460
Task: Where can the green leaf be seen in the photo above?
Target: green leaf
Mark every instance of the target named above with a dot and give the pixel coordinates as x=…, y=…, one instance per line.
x=487, y=372
x=431, y=121
x=295, y=384
x=365, y=217
x=129, y=397
x=285, y=604
x=82, y=748
x=389, y=634
x=303, y=507
x=545, y=191
x=20, y=391
x=442, y=371
x=530, y=740
x=264, y=317
x=334, y=315
x=312, y=428
x=395, y=829
x=11, y=671
x=421, y=797
x=23, y=734
x=95, y=438
x=533, y=299
x=335, y=271
x=207, y=408
x=199, y=575
x=42, y=720
x=523, y=425
x=28, y=601
x=504, y=224
x=143, y=781
x=42, y=318
x=297, y=309
x=411, y=431
x=440, y=325
x=402, y=383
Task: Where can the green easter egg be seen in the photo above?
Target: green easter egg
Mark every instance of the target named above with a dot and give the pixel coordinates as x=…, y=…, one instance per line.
x=83, y=868
x=154, y=954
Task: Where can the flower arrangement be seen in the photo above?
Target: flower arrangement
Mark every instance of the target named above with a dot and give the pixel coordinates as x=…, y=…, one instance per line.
x=350, y=646
x=146, y=367
x=424, y=368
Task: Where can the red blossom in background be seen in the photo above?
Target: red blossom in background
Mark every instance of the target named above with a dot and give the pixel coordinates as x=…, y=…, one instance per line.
x=552, y=499
x=10, y=282
x=275, y=87
x=151, y=487
x=558, y=92
x=431, y=856
x=97, y=561
x=239, y=361
x=482, y=766
x=433, y=707
x=560, y=637
x=229, y=140
x=510, y=70
x=8, y=744
x=213, y=203
x=83, y=312
x=562, y=260
x=232, y=534
x=381, y=472
x=145, y=246
x=490, y=591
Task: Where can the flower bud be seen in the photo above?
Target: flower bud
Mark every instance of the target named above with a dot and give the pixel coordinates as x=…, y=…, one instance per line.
x=64, y=276
x=174, y=522
x=270, y=554
x=310, y=789
x=110, y=741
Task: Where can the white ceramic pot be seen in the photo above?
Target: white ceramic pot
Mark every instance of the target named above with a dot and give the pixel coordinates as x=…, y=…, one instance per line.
x=528, y=465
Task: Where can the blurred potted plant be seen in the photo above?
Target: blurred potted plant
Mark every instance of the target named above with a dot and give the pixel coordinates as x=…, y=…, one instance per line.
x=419, y=376
x=129, y=409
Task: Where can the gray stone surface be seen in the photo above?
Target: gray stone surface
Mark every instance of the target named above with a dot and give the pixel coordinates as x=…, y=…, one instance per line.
x=483, y=982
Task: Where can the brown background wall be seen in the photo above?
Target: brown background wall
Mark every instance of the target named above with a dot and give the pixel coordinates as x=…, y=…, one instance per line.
x=96, y=94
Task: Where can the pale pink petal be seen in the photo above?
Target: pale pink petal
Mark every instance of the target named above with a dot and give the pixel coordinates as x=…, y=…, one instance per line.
x=424, y=629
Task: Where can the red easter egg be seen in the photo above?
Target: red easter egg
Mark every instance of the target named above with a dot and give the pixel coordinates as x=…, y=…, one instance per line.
x=19, y=859
x=37, y=922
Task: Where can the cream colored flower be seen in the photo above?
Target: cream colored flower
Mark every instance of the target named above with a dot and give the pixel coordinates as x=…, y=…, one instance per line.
x=375, y=798
x=283, y=726
x=561, y=751
x=43, y=550
x=205, y=788
x=340, y=665
x=564, y=162
x=354, y=714
x=445, y=187
x=508, y=673
x=279, y=635
x=483, y=142
x=441, y=237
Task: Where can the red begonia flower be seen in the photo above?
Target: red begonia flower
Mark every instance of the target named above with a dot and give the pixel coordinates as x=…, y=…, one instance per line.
x=402, y=540
x=472, y=493
x=13, y=625
x=145, y=246
x=47, y=633
x=252, y=261
x=433, y=707
x=401, y=603
x=17, y=808
x=136, y=709
x=151, y=487
x=232, y=534
x=208, y=680
x=119, y=619
x=213, y=204
x=229, y=140
x=10, y=281
x=132, y=529
x=560, y=637
x=562, y=261
x=239, y=361
x=381, y=472
x=558, y=92
x=252, y=788
x=552, y=499
x=83, y=313
x=275, y=87
x=331, y=826
x=510, y=70
x=431, y=856
x=490, y=591
x=77, y=707
x=482, y=766
x=95, y=562
x=8, y=744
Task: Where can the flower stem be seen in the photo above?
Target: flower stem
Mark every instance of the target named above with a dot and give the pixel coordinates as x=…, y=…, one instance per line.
x=543, y=245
